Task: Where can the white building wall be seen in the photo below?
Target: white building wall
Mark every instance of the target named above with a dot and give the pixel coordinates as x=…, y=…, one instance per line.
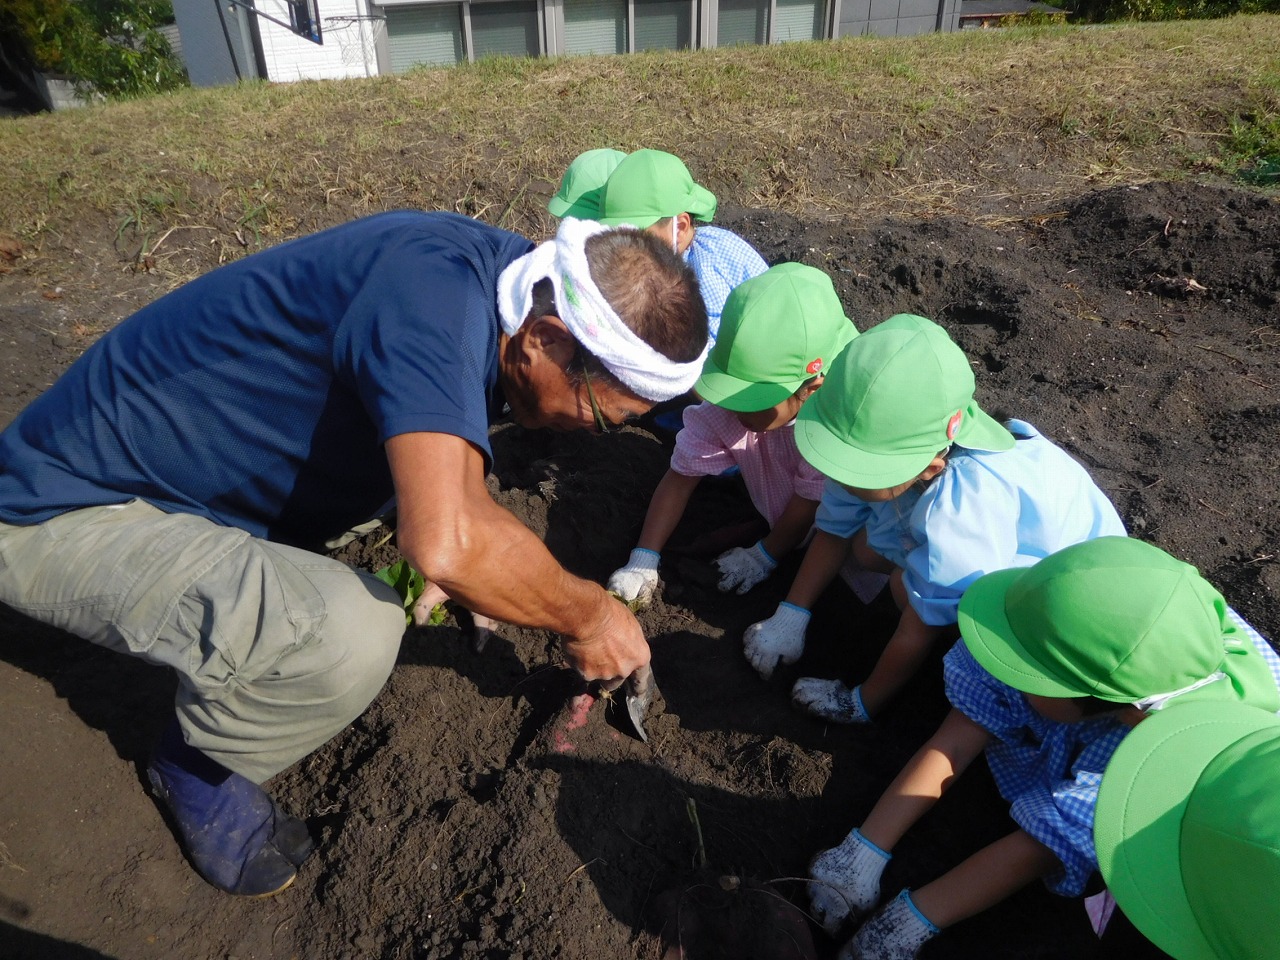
x=347, y=51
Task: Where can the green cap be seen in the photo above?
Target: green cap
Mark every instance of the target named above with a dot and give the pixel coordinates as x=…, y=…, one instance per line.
x=777, y=331
x=902, y=392
x=650, y=185
x=1112, y=618
x=1187, y=830
x=582, y=185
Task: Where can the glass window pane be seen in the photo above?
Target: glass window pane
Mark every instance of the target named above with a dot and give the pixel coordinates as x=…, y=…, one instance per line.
x=428, y=34
x=798, y=20
x=742, y=21
x=664, y=24
x=505, y=28
x=595, y=26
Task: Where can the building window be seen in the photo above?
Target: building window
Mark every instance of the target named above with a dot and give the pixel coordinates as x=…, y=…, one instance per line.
x=451, y=32
x=742, y=21
x=507, y=28
x=769, y=21
x=595, y=26
x=429, y=35
x=798, y=20
x=663, y=24
x=624, y=26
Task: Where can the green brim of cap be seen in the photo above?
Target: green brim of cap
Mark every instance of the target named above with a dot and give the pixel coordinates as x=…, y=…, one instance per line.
x=1137, y=825
x=639, y=222
x=986, y=631
x=981, y=431
x=845, y=463
x=700, y=204
x=741, y=396
x=855, y=466
x=584, y=208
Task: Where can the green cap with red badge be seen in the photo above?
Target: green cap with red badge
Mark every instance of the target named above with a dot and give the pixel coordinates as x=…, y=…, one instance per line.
x=901, y=393
x=778, y=330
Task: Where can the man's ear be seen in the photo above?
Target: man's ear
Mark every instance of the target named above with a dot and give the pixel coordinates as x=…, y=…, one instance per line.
x=547, y=335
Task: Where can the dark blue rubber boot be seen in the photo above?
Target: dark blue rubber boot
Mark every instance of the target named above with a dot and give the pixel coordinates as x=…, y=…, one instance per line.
x=234, y=834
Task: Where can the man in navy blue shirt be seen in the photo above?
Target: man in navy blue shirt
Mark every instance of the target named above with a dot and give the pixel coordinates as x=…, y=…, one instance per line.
x=166, y=495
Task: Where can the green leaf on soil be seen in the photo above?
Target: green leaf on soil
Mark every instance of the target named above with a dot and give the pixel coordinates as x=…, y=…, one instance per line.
x=409, y=584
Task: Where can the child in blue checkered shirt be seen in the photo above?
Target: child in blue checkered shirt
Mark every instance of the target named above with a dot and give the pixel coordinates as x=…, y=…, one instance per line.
x=1056, y=663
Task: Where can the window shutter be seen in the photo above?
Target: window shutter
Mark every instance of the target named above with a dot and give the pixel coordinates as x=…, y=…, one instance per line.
x=595, y=26
x=428, y=34
x=663, y=24
x=505, y=28
x=798, y=20
x=742, y=21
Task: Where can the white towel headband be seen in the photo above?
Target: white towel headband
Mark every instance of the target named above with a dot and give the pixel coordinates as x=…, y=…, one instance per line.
x=588, y=315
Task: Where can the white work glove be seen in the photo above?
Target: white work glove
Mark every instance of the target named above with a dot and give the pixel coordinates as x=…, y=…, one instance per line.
x=895, y=933
x=780, y=639
x=638, y=580
x=829, y=700
x=743, y=567
x=846, y=881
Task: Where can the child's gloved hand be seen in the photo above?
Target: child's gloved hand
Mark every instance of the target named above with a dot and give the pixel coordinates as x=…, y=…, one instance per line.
x=743, y=567
x=895, y=933
x=638, y=580
x=780, y=639
x=829, y=700
x=846, y=881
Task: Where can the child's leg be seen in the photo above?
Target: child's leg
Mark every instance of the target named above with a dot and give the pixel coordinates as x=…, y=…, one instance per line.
x=848, y=876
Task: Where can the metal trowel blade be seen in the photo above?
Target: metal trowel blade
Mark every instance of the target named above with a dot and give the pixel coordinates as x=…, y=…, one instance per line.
x=638, y=695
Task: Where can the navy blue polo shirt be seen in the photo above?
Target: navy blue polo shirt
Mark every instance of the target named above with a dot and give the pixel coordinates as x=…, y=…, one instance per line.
x=260, y=395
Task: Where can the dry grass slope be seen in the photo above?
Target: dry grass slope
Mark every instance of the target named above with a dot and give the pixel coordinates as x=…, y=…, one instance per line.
x=989, y=124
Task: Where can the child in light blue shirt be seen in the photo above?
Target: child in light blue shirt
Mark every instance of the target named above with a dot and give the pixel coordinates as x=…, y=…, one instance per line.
x=923, y=486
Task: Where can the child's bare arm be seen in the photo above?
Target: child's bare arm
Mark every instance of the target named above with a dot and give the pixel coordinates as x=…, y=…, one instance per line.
x=986, y=878
x=793, y=524
x=924, y=779
x=822, y=561
x=907, y=647
x=666, y=508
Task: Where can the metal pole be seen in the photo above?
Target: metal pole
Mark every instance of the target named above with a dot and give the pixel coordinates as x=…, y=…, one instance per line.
x=235, y=63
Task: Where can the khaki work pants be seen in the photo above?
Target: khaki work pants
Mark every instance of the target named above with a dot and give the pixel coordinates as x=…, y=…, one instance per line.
x=276, y=649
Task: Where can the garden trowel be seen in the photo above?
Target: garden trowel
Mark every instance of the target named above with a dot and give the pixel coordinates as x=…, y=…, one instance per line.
x=638, y=690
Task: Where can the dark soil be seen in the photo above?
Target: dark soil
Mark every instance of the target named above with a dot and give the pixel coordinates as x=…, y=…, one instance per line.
x=471, y=812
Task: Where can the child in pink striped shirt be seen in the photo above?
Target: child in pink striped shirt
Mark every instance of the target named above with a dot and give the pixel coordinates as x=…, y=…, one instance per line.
x=778, y=334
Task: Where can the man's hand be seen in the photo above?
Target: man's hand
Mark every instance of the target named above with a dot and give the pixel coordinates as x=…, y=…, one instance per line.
x=638, y=580
x=743, y=567
x=426, y=604
x=612, y=648
x=780, y=639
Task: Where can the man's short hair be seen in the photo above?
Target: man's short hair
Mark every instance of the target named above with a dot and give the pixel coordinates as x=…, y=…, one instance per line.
x=652, y=289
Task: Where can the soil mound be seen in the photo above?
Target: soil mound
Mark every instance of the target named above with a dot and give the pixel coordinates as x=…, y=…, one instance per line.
x=487, y=806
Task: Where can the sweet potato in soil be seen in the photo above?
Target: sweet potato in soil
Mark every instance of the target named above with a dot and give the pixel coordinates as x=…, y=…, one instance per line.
x=470, y=813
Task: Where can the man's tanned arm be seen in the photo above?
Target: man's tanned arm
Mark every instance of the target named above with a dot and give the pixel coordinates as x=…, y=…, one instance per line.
x=450, y=529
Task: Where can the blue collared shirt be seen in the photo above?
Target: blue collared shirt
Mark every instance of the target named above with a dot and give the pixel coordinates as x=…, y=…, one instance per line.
x=722, y=260
x=984, y=512
x=1049, y=771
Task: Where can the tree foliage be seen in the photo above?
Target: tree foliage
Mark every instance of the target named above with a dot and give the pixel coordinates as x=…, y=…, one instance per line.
x=112, y=47
x=1110, y=10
